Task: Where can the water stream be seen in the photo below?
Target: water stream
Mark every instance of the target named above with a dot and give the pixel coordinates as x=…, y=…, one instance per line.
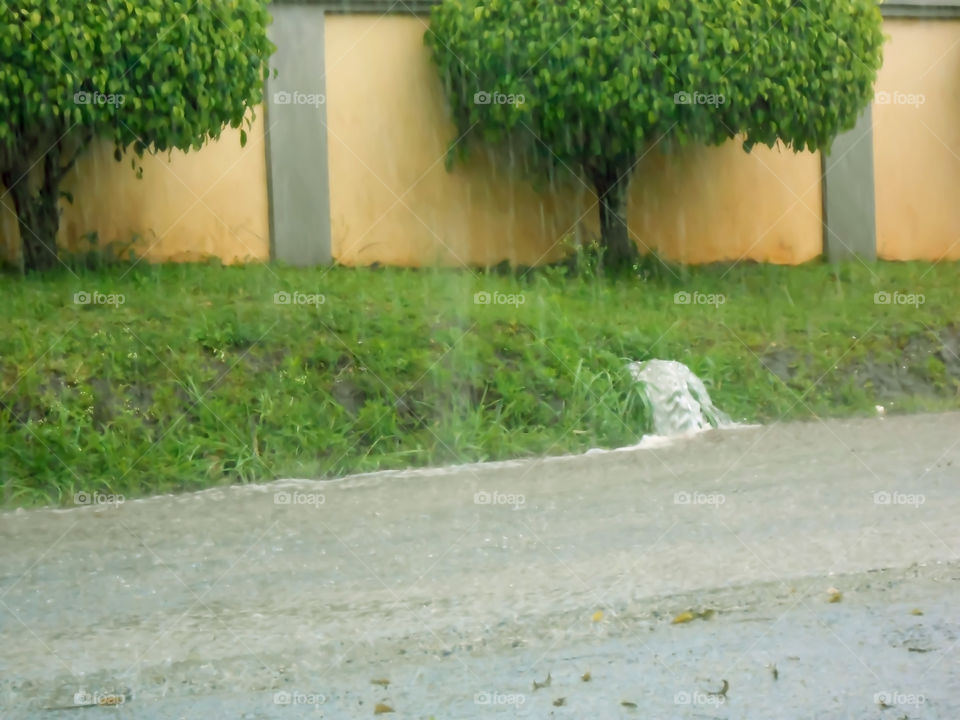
x=678, y=398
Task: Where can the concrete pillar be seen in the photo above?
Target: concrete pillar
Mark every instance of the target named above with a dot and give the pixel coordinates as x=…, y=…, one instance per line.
x=296, y=122
x=849, y=213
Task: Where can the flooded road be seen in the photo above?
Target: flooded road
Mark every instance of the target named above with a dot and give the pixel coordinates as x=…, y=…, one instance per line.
x=814, y=569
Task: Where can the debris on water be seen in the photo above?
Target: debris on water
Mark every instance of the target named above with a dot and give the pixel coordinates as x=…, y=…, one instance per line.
x=597, y=616
x=722, y=692
x=627, y=703
x=586, y=676
x=916, y=611
x=690, y=615
x=678, y=399
x=834, y=595
x=560, y=702
x=774, y=671
x=382, y=708
x=545, y=683
x=383, y=682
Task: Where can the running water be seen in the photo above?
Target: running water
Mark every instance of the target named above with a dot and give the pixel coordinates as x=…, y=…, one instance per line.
x=680, y=402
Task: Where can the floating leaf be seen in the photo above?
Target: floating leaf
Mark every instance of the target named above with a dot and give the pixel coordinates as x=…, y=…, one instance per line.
x=586, y=676
x=380, y=681
x=722, y=692
x=560, y=702
x=627, y=703
x=545, y=683
x=381, y=708
x=683, y=617
x=916, y=611
x=834, y=595
x=597, y=616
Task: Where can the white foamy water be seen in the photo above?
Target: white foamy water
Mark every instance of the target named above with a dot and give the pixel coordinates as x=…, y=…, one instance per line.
x=678, y=398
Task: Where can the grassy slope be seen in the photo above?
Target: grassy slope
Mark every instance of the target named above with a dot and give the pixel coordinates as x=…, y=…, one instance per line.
x=200, y=378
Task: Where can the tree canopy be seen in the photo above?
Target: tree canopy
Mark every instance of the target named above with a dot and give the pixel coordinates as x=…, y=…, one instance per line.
x=603, y=82
x=150, y=75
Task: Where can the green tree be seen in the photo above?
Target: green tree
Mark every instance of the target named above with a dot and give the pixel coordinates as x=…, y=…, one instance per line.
x=602, y=83
x=150, y=75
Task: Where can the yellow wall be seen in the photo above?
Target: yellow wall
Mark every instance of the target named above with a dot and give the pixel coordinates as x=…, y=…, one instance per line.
x=392, y=200
x=199, y=204
x=916, y=143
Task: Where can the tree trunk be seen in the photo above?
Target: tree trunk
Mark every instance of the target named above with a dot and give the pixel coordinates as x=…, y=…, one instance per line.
x=612, y=190
x=38, y=211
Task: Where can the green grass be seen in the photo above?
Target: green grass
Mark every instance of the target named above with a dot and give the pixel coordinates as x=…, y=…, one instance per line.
x=199, y=378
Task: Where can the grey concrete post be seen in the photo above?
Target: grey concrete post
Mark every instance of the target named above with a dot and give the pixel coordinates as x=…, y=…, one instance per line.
x=849, y=212
x=296, y=127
